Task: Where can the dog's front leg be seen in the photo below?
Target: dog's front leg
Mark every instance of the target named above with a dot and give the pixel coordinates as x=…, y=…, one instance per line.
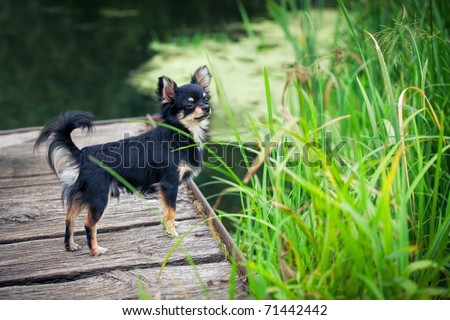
x=168, y=193
x=90, y=224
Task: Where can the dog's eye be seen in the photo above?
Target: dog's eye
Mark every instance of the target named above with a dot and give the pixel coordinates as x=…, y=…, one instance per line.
x=206, y=99
x=190, y=104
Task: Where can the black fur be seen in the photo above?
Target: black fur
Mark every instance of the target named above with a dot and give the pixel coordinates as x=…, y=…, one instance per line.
x=149, y=161
x=61, y=129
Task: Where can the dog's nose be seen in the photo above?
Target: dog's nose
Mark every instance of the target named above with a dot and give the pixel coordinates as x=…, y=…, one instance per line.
x=206, y=108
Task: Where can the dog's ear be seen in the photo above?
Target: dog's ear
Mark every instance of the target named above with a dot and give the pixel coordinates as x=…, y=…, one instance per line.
x=202, y=77
x=166, y=90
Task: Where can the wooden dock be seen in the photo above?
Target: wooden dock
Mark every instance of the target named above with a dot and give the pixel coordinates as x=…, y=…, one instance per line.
x=35, y=265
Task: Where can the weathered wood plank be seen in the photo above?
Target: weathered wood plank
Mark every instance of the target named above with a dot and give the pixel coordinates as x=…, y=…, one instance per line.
x=31, y=193
x=102, y=133
x=145, y=247
x=204, y=281
x=20, y=182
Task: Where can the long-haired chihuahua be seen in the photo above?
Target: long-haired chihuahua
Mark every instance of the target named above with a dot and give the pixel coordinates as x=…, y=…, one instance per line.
x=155, y=161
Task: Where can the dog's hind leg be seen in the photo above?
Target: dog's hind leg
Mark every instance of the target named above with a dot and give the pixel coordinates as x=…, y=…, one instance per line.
x=90, y=224
x=168, y=197
x=73, y=211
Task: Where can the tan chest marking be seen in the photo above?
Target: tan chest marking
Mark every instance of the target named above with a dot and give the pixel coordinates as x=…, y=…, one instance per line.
x=196, y=127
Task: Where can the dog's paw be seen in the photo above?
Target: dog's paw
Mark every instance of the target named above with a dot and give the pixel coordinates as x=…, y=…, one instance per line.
x=72, y=247
x=170, y=227
x=98, y=251
x=171, y=231
x=173, y=234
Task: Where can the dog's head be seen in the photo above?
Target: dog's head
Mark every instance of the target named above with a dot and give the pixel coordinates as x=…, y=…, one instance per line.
x=187, y=104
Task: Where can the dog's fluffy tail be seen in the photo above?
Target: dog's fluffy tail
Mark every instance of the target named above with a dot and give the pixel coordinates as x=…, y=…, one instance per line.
x=63, y=155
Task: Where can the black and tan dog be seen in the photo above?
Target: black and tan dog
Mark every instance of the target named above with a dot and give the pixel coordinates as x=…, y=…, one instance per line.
x=158, y=160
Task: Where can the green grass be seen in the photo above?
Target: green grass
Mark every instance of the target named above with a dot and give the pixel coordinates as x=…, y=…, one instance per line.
x=349, y=197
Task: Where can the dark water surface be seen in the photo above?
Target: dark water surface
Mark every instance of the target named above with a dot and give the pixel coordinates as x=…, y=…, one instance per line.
x=61, y=55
